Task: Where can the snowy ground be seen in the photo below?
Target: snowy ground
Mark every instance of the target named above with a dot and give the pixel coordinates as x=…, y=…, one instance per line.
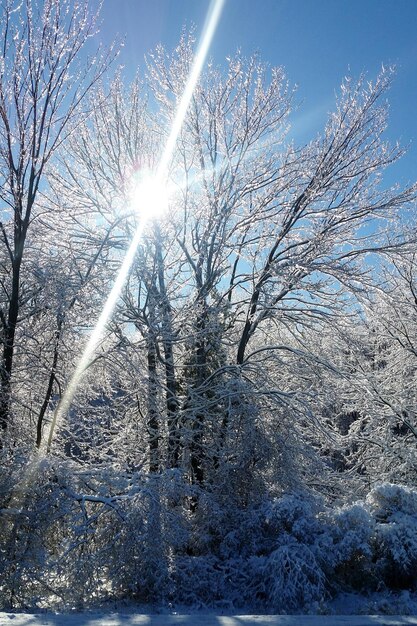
x=118, y=619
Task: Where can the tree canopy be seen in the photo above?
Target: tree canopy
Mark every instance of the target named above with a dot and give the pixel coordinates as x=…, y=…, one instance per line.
x=257, y=374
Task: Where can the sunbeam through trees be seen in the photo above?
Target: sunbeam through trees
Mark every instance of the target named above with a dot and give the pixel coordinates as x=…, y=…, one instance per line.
x=244, y=433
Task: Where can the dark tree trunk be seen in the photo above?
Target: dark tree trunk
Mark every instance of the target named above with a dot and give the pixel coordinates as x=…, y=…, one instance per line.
x=50, y=386
x=197, y=448
x=172, y=404
x=152, y=417
x=9, y=344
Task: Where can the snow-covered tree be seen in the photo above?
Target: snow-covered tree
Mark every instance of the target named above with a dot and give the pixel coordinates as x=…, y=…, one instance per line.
x=264, y=245
x=254, y=372
x=44, y=81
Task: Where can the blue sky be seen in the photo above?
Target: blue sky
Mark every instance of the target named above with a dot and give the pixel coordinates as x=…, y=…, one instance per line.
x=317, y=42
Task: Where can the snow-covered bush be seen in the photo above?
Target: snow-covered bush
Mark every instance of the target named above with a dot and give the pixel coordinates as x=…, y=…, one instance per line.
x=73, y=537
x=25, y=541
x=293, y=578
x=197, y=581
x=76, y=536
x=345, y=548
x=387, y=499
x=295, y=515
x=395, y=510
x=283, y=513
x=248, y=536
x=373, y=543
x=285, y=574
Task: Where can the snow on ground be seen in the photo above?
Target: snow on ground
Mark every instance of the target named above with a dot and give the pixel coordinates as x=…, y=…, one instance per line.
x=119, y=619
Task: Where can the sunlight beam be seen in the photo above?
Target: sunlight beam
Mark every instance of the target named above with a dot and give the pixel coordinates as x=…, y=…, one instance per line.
x=210, y=25
x=143, y=195
x=97, y=333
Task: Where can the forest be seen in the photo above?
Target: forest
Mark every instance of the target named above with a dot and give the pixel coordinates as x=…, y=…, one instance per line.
x=244, y=433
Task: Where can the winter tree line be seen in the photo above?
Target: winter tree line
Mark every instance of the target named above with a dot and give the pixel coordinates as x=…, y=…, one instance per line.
x=245, y=435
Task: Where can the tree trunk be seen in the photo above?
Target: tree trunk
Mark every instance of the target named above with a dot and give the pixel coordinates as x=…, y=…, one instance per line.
x=9, y=344
x=172, y=404
x=152, y=417
x=197, y=450
x=51, y=381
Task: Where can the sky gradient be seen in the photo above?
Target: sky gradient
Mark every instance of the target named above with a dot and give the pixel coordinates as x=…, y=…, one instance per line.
x=318, y=42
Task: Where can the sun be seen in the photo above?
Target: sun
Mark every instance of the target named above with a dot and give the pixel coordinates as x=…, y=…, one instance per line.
x=150, y=197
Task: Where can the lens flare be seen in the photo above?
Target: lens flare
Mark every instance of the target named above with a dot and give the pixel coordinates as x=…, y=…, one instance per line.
x=150, y=197
x=150, y=200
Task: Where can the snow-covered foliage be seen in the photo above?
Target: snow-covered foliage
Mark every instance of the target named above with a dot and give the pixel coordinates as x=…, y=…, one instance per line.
x=395, y=511
x=80, y=538
x=233, y=438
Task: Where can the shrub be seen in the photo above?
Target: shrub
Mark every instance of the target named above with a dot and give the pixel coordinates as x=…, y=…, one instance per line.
x=346, y=548
x=294, y=578
x=395, y=510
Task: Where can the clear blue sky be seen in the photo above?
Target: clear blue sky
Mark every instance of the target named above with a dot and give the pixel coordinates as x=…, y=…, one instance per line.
x=317, y=41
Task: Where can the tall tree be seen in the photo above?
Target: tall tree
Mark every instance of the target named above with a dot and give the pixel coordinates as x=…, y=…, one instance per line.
x=45, y=77
x=264, y=245
x=275, y=239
